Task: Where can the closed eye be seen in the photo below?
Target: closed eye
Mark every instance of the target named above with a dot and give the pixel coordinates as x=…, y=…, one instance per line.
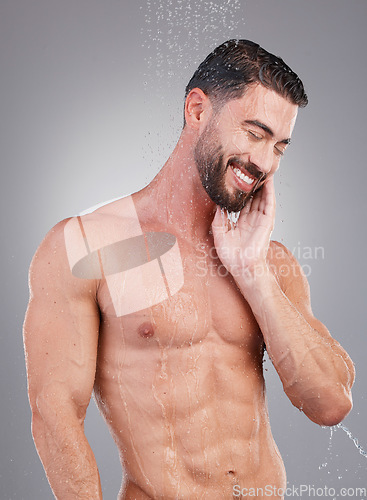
x=279, y=152
x=255, y=135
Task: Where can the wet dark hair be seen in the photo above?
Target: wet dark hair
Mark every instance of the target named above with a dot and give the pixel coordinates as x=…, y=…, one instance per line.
x=234, y=65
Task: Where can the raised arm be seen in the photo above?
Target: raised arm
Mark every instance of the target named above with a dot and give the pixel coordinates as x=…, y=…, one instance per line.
x=317, y=374
x=60, y=338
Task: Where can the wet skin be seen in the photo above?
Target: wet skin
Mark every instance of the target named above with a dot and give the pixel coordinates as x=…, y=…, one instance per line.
x=173, y=347
x=181, y=384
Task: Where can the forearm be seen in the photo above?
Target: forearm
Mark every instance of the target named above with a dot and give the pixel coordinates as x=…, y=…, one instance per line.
x=67, y=458
x=316, y=372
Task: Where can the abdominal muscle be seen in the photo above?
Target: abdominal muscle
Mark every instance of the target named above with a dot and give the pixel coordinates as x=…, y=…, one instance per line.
x=190, y=421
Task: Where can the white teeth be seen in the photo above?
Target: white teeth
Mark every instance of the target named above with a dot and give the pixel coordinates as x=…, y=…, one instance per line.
x=242, y=176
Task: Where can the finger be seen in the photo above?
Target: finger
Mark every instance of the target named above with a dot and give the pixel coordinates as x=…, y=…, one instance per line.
x=266, y=196
x=270, y=208
x=267, y=204
x=248, y=204
x=220, y=223
x=246, y=212
x=256, y=200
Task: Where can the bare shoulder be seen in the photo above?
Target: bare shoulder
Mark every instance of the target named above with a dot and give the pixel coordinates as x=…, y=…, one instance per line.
x=92, y=238
x=50, y=273
x=70, y=252
x=112, y=220
x=51, y=253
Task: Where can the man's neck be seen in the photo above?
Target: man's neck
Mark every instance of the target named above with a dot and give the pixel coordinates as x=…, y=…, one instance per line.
x=176, y=197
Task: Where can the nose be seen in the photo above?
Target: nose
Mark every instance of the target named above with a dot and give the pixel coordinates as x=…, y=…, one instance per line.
x=263, y=158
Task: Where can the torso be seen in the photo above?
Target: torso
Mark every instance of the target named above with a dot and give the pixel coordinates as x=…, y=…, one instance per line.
x=180, y=382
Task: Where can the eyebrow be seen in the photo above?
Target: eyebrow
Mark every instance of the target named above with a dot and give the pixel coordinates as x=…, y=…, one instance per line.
x=266, y=129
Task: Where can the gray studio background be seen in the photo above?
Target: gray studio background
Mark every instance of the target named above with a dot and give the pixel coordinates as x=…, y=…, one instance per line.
x=90, y=107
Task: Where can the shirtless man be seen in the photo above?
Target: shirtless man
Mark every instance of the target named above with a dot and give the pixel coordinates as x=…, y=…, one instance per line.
x=164, y=309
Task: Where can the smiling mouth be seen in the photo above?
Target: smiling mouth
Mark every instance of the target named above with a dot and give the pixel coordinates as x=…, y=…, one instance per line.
x=242, y=173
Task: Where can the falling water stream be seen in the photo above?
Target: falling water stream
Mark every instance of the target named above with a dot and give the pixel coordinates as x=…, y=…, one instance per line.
x=353, y=438
x=326, y=465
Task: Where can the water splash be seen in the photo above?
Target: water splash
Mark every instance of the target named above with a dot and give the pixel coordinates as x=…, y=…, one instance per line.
x=353, y=438
x=176, y=32
x=176, y=36
x=232, y=218
x=329, y=458
x=328, y=465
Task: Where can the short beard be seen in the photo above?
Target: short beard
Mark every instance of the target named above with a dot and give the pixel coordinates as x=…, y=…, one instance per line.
x=208, y=157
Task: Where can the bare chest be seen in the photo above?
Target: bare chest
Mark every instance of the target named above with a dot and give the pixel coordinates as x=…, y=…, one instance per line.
x=183, y=296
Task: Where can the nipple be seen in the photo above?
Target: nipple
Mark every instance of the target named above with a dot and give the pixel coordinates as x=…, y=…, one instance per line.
x=146, y=330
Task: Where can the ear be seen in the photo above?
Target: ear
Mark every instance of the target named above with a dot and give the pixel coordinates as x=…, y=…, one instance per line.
x=197, y=108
